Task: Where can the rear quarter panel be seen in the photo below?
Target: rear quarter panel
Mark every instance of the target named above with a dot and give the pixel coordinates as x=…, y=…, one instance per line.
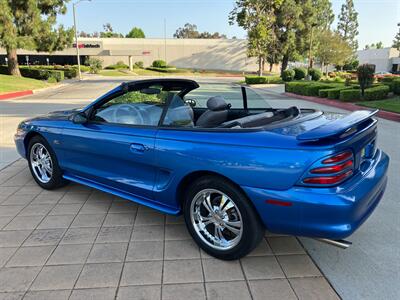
x=254, y=159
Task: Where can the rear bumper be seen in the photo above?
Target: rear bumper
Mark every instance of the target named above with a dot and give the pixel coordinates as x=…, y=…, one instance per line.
x=333, y=213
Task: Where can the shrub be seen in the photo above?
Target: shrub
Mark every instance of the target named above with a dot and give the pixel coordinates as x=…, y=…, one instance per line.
x=117, y=66
x=52, y=80
x=296, y=87
x=299, y=73
x=159, y=63
x=307, y=88
x=71, y=72
x=252, y=79
x=315, y=74
x=365, y=74
x=313, y=89
x=139, y=64
x=288, y=75
x=83, y=68
x=95, y=65
x=350, y=95
x=396, y=86
x=324, y=93
x=335, y=93
x=166, y=70
x=376, y=93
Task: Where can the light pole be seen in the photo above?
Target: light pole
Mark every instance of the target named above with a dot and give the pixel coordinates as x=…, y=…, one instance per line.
x=76, y=38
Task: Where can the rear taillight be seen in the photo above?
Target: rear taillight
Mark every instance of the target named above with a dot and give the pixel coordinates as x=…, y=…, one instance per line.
x=334, y=170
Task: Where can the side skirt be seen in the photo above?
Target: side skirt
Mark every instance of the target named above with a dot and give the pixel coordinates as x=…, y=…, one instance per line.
x=119, y=193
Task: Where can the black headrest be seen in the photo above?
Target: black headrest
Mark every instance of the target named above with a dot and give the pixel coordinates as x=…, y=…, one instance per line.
x=217, y=103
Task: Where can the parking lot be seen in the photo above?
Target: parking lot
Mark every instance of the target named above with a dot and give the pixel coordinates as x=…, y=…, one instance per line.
x=79, y=243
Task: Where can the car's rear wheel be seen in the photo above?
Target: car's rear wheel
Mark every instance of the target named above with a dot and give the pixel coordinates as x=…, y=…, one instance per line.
x=43, y=164
x=221, y=219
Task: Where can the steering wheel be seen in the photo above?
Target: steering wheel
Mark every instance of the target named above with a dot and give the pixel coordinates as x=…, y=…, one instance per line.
x=135, y=116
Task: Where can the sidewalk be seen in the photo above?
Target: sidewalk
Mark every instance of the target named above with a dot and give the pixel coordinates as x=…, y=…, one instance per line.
x=80, y=243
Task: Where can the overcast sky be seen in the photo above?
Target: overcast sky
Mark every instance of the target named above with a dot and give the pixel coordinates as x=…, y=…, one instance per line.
x=377, y=18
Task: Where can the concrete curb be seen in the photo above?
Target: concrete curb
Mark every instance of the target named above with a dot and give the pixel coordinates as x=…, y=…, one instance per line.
x=347, y=106
x=12, y=95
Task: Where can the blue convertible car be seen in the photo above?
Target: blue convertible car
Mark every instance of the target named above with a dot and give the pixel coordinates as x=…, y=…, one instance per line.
x=218, y=155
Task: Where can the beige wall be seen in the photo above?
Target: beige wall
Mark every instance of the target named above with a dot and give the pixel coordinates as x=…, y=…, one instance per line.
x=217, y=54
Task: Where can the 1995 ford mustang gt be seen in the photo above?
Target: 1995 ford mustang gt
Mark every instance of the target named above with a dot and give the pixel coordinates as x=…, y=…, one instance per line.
x=218, y=155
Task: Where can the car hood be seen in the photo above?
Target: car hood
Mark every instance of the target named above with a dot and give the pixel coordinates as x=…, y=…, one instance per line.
x=56, y=115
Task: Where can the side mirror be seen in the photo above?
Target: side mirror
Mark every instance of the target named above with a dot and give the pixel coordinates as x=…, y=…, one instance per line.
x=79, y=118
x=191, y=102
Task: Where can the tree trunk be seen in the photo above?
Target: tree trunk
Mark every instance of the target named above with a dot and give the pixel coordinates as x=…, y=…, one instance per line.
x=260, y=66
x=13, y=68
x=271, y=65
x=285, y=62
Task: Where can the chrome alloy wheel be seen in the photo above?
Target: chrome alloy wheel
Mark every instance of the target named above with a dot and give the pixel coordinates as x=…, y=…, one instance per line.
x=216, y=219
x=41, y=163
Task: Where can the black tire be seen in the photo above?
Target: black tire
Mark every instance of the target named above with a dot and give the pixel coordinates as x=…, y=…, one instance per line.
x=253, y=230
x=56, y=179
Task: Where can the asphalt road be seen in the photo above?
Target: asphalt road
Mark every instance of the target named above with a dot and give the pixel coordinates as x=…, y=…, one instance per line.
x=370, y=269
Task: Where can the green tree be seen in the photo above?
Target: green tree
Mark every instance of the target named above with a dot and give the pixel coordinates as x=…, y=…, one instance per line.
x=332, y=49
x=136, y=33
x=31, y=25
x=378, y=45
x=296, y=21
x=109, y=32
x=189, y=31
x=396, y=41
x=257, y=17
x=348, y=25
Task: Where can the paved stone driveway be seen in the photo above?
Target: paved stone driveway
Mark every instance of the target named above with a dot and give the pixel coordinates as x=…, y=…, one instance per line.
x=78, y=243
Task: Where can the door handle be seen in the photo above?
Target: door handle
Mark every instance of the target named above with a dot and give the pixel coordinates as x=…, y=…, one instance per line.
x=138, y=148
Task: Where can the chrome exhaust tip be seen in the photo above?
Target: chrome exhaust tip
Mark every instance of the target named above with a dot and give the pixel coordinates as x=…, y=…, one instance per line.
x=343, y=244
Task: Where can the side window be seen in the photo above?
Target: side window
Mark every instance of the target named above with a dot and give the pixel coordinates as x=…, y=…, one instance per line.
x=255, y=100
x=179, y=114
x=142, y=107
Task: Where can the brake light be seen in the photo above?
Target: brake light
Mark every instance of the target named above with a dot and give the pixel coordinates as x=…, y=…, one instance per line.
x=338, y=158
x=328, y=179
x=339, y=167
x=333, y=169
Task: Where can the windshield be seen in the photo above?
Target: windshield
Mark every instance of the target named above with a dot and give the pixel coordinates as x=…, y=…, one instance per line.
x=232, y=93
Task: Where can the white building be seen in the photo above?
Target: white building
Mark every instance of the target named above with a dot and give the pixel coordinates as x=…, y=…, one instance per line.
x=207, y=54
x=385, y=60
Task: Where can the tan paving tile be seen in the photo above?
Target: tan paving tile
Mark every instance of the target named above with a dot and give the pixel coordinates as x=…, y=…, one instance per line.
x=272, y=289
x=262, y=267
x=285, y=245
x=313, y=288
x=91, y=242
x=298, y=266
x=233, y=290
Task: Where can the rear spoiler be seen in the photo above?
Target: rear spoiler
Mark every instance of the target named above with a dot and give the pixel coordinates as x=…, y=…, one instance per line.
x=343, y=127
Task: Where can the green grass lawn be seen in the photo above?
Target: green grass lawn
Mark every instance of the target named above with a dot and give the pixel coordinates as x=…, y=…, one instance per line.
x=391, y=104
x=10, y=83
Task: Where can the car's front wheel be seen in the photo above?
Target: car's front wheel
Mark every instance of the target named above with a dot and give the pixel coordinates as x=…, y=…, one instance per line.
x=43, y=164
x=221, y=219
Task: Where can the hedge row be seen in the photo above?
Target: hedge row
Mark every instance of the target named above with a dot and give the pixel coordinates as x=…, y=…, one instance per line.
x=350, y=95
x=251, y=79
x=166, y=70
x=69, y=72
x=33, y=72
x=307, y=88
x=376, y=93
